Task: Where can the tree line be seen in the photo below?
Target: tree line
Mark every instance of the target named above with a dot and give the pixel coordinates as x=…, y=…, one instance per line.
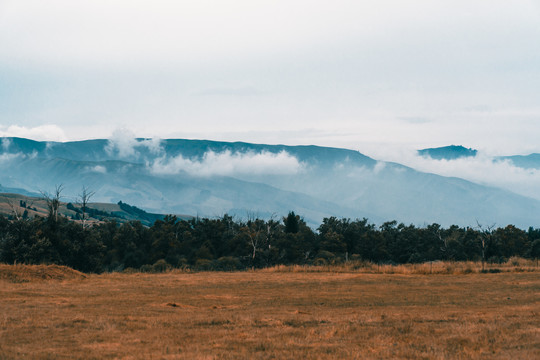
x=226, y=243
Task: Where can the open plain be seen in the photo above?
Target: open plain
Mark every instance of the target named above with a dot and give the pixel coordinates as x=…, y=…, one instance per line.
x=57, y=313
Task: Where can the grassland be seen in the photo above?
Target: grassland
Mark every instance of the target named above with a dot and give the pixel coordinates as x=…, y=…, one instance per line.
x=280, y=313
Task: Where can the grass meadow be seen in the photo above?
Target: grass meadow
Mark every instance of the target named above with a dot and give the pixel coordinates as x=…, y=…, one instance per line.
x=430, y=311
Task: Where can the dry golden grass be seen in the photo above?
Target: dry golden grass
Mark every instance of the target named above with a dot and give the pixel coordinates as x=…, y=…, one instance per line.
x=513, y=264
x=26, y=273
x=271, y=315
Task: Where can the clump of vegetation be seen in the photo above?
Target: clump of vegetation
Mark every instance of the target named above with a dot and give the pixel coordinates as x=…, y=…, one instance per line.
x=226, y=244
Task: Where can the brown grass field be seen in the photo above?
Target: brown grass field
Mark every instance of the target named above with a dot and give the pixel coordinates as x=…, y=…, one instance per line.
x=52, y=312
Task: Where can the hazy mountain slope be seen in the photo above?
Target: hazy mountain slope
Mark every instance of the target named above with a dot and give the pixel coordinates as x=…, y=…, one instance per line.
x=531, y=161
x=393, y=191
x=208, y=178
x=115, y=181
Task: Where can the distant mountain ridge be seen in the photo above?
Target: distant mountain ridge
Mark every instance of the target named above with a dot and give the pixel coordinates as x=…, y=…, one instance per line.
x=103, y=150
x=451, y=152
x=211, y=178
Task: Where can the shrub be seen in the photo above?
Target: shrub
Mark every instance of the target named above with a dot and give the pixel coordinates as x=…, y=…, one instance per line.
x=160, y=266
x=146, y=268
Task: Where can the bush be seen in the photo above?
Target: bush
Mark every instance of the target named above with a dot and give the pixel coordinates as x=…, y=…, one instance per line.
x=146, y=268
x=160, y=266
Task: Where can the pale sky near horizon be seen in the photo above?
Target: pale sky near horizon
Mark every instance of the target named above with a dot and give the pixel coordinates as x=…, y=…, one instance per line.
x=373, y=76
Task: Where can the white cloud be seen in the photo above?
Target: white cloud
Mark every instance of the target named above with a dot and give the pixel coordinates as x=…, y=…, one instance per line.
x=6, y=157
x=229, y=164
x=153, y=144
x=379, y=166
x=124, y=143
x=6, y=143
x=40, y=133
x=98, y=169
x=482, y=169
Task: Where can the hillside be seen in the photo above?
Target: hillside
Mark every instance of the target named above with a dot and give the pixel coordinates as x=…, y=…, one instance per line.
x=209, y=178
x=17, y=205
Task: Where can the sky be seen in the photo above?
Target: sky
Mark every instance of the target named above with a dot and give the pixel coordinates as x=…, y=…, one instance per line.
x=382, y=77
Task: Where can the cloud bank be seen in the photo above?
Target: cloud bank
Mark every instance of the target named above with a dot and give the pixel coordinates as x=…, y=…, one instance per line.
x=49, y=132
x=229, y=164
x=482, y=169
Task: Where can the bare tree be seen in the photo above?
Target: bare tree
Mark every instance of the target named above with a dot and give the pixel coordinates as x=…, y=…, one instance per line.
x=53, y=201
x=83, y=199
x=254, y=231
x=259, y=233
x=485, y=236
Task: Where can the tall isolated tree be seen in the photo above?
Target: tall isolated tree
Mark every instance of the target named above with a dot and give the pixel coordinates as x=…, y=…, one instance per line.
x=83, y=200
x=485, y=239
x=255, y=229
x=292, y=223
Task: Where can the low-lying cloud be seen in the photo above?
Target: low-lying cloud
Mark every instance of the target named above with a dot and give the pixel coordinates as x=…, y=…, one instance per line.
x=482, y=169
x=97, y=169
x=229, y=164
x=6, y=143
x=124, y=144
x=6, y=155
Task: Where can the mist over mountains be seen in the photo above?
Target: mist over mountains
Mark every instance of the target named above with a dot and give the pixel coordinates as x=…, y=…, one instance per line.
x=454, y=152
x=210, y=178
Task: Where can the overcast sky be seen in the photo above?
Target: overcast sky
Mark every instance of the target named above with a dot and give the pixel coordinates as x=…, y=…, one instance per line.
x=374, y=76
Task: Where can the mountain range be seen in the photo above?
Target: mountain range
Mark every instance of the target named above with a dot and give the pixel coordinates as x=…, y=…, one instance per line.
x=210, y=178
